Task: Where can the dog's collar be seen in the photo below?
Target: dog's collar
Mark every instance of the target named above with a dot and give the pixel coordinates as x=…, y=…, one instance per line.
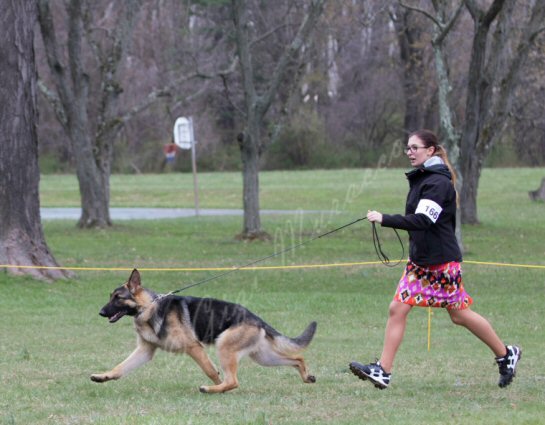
x=159, y=297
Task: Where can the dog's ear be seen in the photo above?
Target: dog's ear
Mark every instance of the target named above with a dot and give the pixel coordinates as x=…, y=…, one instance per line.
x=134, y=283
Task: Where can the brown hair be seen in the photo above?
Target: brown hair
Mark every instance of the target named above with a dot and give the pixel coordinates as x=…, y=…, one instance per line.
x=429, y=139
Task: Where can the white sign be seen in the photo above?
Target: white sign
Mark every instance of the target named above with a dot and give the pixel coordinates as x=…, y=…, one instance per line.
x=183, y=133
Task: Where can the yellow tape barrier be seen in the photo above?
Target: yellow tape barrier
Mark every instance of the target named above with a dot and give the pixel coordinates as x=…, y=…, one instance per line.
x=296, y=266
x=490, y=263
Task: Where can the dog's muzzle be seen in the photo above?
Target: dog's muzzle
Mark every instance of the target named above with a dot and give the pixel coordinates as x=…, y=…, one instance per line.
x=114, y=318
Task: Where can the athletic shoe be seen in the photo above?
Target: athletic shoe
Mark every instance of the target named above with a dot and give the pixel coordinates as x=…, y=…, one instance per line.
x=508, y=365
x=373, y=372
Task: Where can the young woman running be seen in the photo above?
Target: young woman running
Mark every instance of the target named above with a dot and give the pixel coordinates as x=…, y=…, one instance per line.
x=432, y=277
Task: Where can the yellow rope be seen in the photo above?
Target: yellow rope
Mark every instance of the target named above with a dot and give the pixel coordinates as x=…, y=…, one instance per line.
x=490, y=263
x=296, y=266
x=193, y=269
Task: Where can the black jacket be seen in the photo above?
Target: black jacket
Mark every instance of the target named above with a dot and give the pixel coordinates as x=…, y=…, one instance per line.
x=430, y=216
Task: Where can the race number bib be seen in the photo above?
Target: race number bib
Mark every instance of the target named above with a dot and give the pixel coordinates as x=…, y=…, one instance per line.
x=429, y=208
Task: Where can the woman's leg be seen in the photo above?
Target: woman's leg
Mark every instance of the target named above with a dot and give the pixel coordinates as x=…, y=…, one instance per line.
x=395, y=329
x=480, y=327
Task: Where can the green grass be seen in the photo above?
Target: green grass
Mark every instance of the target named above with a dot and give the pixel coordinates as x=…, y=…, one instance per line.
x=52, y=339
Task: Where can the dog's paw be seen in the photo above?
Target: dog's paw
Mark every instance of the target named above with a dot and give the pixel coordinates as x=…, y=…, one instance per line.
x=203, y=389
x=100, y=378
x=311, y=379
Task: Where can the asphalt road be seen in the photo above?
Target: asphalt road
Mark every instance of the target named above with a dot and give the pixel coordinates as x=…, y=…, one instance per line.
x=156, y=213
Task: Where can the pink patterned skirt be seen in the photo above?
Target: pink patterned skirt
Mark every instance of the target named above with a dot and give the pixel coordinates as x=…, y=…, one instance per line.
x=433, y=286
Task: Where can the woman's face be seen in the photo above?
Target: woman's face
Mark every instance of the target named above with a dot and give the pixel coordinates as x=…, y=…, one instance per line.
x=417, y=152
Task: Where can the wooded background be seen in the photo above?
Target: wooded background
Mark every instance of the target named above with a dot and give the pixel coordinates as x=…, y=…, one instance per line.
x=367, y=76
x=278, y=84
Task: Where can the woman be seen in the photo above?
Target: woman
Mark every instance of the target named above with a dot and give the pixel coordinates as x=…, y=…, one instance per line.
x=432, y=277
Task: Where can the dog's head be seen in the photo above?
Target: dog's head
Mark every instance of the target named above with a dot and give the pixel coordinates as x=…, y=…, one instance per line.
x=126, y=300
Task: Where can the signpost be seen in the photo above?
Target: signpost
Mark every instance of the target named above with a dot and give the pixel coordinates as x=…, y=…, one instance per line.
x=185, y=139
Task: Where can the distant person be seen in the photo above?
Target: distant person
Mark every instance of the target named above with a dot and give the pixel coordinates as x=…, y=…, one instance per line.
x=432, y=277
x=169, y=150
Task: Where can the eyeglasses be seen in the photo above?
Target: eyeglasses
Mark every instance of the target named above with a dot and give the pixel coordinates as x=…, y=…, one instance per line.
x=414, y=148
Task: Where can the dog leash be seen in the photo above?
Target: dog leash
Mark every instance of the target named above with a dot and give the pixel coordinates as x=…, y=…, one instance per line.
x=380, y=253
x=376, y=242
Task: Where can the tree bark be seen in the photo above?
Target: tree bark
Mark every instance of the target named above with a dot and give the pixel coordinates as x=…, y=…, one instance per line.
x=250, y=174
x=22, y=241
x=411, y=49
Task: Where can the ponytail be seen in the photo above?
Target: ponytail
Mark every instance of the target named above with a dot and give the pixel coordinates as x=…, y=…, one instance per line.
x=441, y=152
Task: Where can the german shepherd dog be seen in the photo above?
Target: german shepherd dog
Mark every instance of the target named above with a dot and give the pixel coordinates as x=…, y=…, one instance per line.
x=184, y=324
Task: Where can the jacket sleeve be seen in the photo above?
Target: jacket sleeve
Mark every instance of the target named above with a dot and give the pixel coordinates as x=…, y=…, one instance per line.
x=431, y=203
x=406, y=222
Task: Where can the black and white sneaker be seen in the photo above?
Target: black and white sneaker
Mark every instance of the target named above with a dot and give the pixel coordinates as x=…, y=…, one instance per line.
x=373, y=372
x=508, y=365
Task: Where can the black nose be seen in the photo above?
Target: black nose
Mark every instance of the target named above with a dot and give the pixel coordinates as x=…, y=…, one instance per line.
x=102, y=313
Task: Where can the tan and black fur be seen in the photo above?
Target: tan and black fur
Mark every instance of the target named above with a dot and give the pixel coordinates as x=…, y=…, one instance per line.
x=184, y=324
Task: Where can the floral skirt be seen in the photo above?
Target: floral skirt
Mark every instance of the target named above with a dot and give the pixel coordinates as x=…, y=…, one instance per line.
x=433, y=286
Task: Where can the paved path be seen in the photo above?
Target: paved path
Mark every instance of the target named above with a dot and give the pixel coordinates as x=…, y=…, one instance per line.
x=156, y=213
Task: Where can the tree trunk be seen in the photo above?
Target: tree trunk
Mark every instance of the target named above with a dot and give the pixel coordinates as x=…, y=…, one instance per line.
x=94, y=197
x=411, y=49
x=92, y=148
x=94, y=191
x=539, y=194
x=22, y=242
x=495, y=67
x=471, y=161
x=250, y=174
x=257, y=104
x=72, y=85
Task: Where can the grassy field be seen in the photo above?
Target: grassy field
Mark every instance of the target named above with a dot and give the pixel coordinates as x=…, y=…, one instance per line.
x=52, y=338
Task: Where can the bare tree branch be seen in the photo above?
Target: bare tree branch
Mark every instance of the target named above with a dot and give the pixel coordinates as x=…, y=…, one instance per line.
x=151, y=98
x=316, y=7
x=267, y=34
x=446, y=29
x=52, y=53
x=443, y=27
x=423, y=12
x=504, y=88
x=109, y=60
x=228, y=96
x=479, y=14
x=55, y=102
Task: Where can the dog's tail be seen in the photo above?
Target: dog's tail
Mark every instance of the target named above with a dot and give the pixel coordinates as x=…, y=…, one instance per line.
x=293, y=345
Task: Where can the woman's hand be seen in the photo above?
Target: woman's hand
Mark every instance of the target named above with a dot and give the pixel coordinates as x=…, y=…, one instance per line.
x=374, y=216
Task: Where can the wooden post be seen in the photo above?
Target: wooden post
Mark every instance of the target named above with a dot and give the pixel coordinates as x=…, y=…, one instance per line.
x=194, y=168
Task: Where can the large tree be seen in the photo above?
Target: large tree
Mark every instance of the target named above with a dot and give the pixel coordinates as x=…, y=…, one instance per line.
x=22, y=242
x=259, y=97
x=497, y=61
x=86, y=92
x=503, y=34
x=86, y=44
